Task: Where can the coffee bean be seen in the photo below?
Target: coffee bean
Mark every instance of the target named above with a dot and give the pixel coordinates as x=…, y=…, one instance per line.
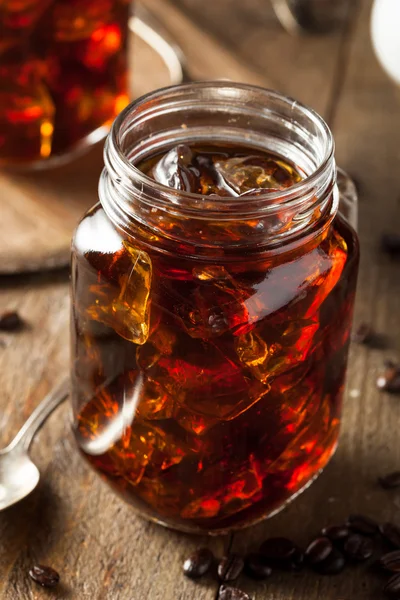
x=44, y=576
x=358, y=547
x=391, y=533
x=389, y=381
x=366, y=336
x=278, y=549
x=336, y=533
x=198, y=563
x=333, y=565
x=363, y=334
x=257, y=567
x=230, y=593
x=390, y=481
x=230, y=567
x=390, y=243
x=391, y=561
x=318, y=550
x=392, y=588
x=11, y=321
x=296, y=562
x=362, y=524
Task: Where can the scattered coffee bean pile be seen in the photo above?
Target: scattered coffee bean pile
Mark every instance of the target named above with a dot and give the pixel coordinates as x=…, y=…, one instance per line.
x=359, y=540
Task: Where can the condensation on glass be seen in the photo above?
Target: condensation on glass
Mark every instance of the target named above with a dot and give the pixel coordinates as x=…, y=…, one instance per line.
x=63, y=76
x=212, y=298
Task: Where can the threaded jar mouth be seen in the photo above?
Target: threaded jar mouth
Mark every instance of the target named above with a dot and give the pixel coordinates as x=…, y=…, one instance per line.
x=215, y=112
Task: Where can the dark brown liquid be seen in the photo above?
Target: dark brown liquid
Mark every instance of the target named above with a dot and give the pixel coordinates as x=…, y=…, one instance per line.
x=208, y=393
x=62, y=73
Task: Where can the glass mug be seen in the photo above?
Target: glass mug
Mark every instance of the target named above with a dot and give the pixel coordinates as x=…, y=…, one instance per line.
x=210, y=334
x=63, y=76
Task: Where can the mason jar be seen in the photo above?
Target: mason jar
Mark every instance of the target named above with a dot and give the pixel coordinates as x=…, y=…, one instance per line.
x=210, y=333
x=63, y=76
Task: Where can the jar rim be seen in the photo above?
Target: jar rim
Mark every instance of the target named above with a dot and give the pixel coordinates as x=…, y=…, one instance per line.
x=128, y=171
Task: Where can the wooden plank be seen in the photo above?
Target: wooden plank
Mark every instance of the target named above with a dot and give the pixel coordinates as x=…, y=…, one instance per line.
x=367, y=145
x=300, y=66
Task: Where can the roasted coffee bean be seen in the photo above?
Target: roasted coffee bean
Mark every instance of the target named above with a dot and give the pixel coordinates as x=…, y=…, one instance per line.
x=44, y=576
x=336, y=533
x=230, y=567
x=11, y=321
x=391, y=534
x=257, y=567
x=358, y=547
x=230, y=593
x=296, y=562
x=392, y=588
x=390, y=243
x=391, y=561
x=278, y=549
x=198, y=563
x=391, y=481
x=333, y=565
x=363, y=334
x=389, y=381
x=318, y=550
x=362, y=524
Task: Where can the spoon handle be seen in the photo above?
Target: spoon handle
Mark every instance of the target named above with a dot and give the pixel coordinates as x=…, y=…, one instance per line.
x=27, y=432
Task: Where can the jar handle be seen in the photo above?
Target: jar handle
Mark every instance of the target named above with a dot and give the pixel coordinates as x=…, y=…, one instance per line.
x=144, y=24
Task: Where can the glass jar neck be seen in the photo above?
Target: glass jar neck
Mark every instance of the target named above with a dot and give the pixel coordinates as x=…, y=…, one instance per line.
x=223, y=113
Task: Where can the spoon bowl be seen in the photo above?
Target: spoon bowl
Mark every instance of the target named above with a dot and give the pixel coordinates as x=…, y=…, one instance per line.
x=18, y=474
x=18, y=478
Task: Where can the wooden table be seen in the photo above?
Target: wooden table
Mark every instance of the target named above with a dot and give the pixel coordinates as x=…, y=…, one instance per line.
x=72, y=521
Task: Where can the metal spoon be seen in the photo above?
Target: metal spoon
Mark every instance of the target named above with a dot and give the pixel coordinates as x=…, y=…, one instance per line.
x=18, y=474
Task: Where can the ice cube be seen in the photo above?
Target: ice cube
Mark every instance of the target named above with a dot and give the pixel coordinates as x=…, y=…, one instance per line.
x=305, y=451
x=174, y=170
x=87, y=100
x=26, y=114
x=131, y=455
x=328, y=274
x=206, y=385
x=249, y=173
x=161, y=342
x=126, y=308
x=202, y=508
x=234, y=488
x=155, y=403
x=214, y=305
x=73, y=20
x=284, y=350
x=104, y=43
x=256, y=354
x=194, y=422
x=18, y=15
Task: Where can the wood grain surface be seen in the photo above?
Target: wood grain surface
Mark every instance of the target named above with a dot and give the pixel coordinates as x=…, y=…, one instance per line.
x=72, y=521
